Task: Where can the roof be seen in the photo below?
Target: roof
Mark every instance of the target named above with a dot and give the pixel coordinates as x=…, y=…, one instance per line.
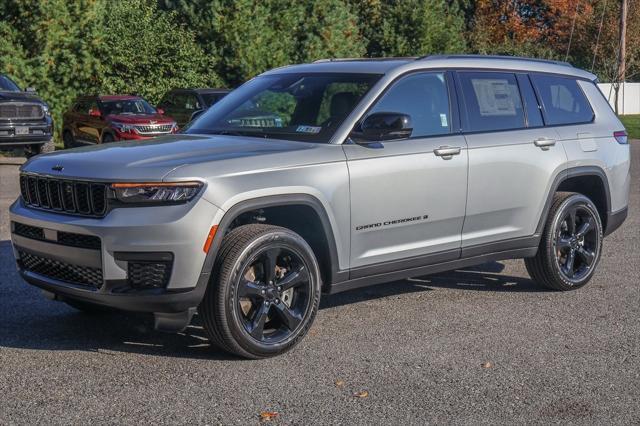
x=118, y=97
x=387, y=65
x=201, y=90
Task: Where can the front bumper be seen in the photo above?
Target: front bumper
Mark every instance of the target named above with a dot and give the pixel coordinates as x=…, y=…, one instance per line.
x=39, y=132
x=125, y=235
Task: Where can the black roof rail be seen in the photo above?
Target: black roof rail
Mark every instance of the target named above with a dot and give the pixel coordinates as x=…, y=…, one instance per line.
x=502, y=57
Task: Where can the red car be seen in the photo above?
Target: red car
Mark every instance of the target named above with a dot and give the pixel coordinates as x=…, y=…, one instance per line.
x=102, y=119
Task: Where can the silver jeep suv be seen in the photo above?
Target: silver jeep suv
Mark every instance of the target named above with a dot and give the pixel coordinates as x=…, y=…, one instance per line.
x=325, y=177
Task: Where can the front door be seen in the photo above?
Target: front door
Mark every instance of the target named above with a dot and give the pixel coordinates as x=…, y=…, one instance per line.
x=408, y=196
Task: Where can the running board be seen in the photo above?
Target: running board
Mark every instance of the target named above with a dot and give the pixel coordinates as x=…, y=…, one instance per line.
x=431, y=269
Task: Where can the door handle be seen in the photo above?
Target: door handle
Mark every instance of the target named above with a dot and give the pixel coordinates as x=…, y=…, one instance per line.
x=446, y=152
x=544, y=143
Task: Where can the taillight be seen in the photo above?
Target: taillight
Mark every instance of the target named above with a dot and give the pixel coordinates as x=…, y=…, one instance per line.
x=621, y=137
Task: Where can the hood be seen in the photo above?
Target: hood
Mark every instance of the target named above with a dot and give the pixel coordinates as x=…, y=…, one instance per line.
x=154, y=158
x=19, y=97
x=141, y=118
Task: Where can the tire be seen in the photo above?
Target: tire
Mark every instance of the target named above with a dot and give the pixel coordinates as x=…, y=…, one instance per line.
x=568, y=255
x=241, y=312
x=88, y=308
x=107, y=138
x=37, y=149
x=67, y=138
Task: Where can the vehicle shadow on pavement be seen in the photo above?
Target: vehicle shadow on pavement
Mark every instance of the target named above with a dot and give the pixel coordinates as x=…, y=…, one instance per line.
x=29, y=321
x=485, y=277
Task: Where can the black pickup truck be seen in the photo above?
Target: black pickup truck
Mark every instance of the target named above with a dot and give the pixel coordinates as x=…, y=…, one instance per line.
x=25, y=120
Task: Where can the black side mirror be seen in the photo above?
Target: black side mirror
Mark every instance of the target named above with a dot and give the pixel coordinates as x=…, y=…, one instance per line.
x=385, y=126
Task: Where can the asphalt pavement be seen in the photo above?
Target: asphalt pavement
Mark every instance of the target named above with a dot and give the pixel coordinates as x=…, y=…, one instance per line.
x=484, y=345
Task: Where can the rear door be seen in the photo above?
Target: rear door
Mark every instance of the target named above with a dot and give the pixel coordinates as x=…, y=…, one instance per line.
x=407, y=200
x=513, y=159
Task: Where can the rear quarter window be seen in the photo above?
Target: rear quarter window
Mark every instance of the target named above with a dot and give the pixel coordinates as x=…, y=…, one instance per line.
x=562, y=100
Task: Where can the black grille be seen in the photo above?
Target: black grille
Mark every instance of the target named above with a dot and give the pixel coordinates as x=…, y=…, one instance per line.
x=79, y=240
x=61, y=271
x=80, y=198
x=16, y=110
x=64, y=238
x=27, y=231
x=152, y=274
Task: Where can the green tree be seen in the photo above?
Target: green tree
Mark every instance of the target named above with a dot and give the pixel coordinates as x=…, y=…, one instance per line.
x=411, y=27
x=146, y=51
x=51, y=45
x=252, y=36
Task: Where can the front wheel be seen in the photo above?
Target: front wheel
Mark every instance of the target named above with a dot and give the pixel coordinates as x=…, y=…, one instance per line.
x=44, y=148
x=265, y=293
x=108, y=138
x=571, y=244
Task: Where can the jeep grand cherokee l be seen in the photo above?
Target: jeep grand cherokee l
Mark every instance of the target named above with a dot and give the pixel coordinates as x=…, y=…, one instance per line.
x=25, y=120
x=109, y=118
x=367, y=171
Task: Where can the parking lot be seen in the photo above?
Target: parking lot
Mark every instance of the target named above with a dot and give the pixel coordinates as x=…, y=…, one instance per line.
x=482, y=345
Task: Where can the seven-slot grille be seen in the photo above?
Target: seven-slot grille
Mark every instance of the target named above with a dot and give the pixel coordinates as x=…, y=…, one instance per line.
x=73, y=197
x=153, y=129
x=20, y=111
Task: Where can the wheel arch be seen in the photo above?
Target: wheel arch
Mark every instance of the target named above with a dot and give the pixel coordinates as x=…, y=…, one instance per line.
x=590, y=181
x=278, y=209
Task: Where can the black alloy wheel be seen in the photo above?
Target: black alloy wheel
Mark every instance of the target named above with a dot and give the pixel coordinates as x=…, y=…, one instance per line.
x=272, y=295
x=264, y=292
x=570, y=245
x=577, y=243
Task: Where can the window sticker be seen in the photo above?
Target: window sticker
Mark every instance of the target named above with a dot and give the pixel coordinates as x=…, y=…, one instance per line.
x=495, y=97
x=443, y=120
x=308, y=129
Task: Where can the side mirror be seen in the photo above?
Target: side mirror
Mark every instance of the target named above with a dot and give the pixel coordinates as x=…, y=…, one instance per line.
x=384, y=126
x=160, y=111
x=30, y=90
x=95, y=113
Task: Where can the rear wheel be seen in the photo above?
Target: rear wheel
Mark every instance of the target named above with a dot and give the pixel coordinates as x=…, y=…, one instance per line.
x=571, y=244
x=265, y=293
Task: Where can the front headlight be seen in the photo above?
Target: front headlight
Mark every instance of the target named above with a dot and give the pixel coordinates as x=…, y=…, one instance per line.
x=46, y=110
x=156, y=192
x=122, y=127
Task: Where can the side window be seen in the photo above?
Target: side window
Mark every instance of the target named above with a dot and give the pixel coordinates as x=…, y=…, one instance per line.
x=91, y=105
x=492, y=101
x=422, y=96
x=191, y=102
x=562, y=100
x=167, y=102
x=338, y=100
x=83, y=107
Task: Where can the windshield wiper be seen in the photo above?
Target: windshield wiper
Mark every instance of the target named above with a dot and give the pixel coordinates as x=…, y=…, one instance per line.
x=236, y=132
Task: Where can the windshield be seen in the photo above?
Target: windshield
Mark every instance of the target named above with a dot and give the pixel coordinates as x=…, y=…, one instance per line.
x=303, y=107
x=6, y=85
x=127, y=106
